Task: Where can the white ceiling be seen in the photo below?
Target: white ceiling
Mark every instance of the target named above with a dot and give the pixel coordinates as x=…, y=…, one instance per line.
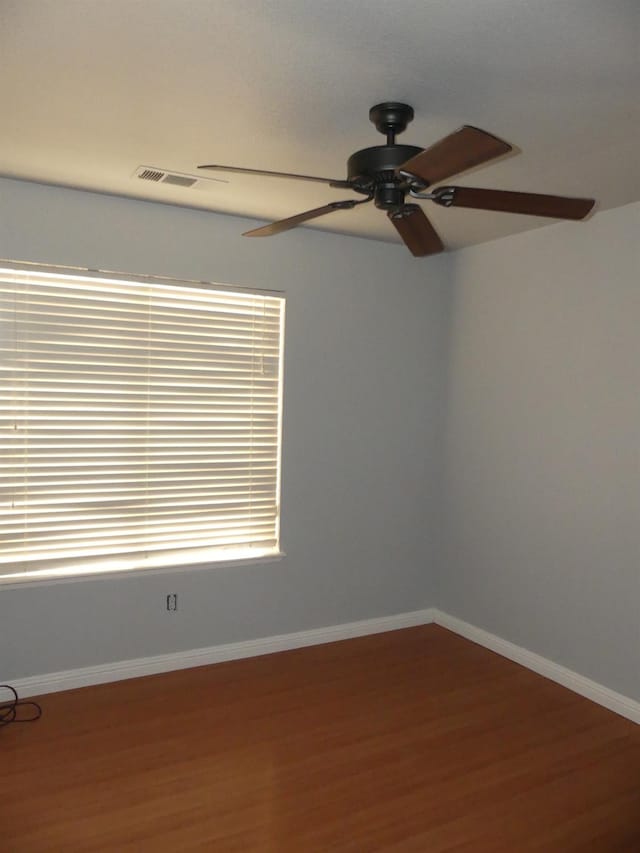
x=90, y=90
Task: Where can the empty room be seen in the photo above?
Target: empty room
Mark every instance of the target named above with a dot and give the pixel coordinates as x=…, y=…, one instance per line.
x=320, y=426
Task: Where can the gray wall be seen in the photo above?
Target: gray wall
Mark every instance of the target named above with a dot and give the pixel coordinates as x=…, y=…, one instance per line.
x=488, y=399
x=542, y=463
x=363, y=385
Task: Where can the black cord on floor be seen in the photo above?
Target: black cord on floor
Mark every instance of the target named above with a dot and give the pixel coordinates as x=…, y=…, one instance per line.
x=9, y=710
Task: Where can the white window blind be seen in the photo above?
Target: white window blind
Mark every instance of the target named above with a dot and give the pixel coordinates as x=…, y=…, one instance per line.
x=139, y=424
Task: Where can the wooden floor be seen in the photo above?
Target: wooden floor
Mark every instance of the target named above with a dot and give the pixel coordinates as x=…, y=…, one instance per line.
x=415, y=740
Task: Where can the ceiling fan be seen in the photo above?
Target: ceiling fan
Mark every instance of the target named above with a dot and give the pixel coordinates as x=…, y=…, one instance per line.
x=385, y=174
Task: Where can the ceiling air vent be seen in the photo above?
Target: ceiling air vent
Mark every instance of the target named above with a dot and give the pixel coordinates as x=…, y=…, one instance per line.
x=151, y=175
x=176, y=179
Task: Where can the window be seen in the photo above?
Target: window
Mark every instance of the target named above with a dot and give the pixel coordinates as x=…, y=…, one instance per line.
x=140, y=422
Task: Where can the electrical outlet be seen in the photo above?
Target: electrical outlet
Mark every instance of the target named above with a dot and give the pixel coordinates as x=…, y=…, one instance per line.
x=172, y=602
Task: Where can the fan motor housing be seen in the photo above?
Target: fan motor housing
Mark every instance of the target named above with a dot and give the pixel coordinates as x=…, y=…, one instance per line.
x=373, y=170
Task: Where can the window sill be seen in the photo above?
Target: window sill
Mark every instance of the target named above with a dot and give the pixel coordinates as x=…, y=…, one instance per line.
x=30, y=581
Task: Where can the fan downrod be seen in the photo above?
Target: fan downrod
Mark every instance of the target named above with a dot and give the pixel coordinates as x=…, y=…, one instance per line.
x=391, y=118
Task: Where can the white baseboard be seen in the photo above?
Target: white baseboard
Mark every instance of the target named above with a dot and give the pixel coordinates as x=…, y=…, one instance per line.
x=103, y=673
x=622, y=705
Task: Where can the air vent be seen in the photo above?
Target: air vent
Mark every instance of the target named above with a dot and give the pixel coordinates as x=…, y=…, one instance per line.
x=151, y=175
x=176, y=179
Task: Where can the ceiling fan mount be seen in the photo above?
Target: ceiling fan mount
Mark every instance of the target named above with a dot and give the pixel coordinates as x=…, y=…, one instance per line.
x=391, y=118
x=384, y=174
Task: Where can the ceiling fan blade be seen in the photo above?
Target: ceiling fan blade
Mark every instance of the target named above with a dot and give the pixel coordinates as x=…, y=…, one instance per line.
x=531, y=204
x=238, y=170
x=461, y=150
x=418, y=234
x=299, y=218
